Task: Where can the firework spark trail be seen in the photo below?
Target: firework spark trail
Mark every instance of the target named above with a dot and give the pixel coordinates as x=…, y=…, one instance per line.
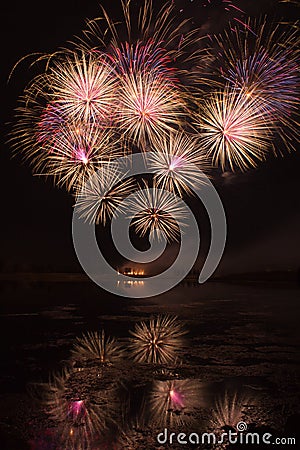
x=236, y=13
x=24, y=140
x=37, y=121
x=233, y=130
x=178, y=161
x=153, y=43
x=265, y=65
x=293, y=2
x=141, y=58
x=156, y=211
x=158, y=341
x=50, y=125
x=101, y=196
x=226, y=4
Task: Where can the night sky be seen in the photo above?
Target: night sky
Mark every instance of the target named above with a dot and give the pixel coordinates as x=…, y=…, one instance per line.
x=262, y=206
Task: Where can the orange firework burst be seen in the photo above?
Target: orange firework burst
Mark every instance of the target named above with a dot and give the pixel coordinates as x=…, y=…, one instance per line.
x=229, y=409
x=95, y=345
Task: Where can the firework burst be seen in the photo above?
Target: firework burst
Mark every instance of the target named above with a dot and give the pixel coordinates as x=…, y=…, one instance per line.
x=75, y=93
x=158, y=341
x=77, y=152
x=84, y=87
x=149, y=107
x=265, y=66
x=95, y=345
x=54, y=400
x=158, y=212
x=101, y=196
x=68, y=151
x=233, y=129
x=178, y=162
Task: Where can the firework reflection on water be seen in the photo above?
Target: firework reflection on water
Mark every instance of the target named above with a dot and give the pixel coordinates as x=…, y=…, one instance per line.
x=157, y=341
x=96, y=346
x=174, y=402
x=80, y=418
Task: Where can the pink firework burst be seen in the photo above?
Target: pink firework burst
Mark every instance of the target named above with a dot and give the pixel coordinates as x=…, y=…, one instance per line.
x=76, y=153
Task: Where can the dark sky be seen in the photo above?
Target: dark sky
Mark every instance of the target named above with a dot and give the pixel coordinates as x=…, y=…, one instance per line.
x=262, y=206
